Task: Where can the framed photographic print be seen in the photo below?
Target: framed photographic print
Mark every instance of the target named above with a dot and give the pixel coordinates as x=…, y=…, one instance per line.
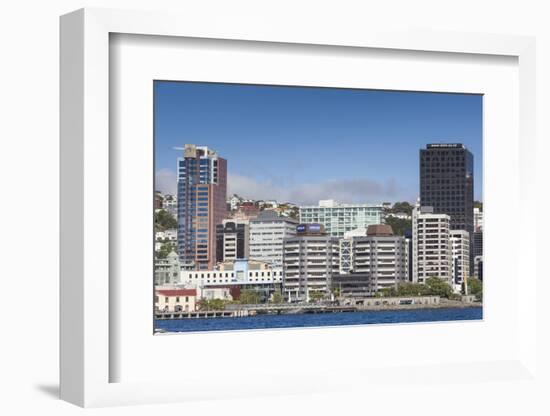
x=319, y=211
x=288, y=218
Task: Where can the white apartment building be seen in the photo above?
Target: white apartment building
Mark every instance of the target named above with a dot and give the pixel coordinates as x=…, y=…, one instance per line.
x=310, y=261
x=267, y=232
x=431, y=245
x=382, y=256
x=460, y=248
x=339, y=218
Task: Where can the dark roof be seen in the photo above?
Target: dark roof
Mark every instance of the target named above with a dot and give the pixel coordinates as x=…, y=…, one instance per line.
x=177, y=292
x=381, y=230
x=270, y=215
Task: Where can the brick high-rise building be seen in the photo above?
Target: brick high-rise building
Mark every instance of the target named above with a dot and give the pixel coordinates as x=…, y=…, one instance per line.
x=202, y=192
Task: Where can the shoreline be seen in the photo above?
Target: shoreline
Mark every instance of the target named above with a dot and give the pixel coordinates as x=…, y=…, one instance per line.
x=249, y=312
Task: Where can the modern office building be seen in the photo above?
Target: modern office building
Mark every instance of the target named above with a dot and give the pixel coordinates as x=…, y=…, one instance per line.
x=447, y=183
x=431, y=245
x=267, y=232
x=309, y=262
x=460, y=251
x=339, y=218
x=202, y=189
x=381, y=255
x=232, y=240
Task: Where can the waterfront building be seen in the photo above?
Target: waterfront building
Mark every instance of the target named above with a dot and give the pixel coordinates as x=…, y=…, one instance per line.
x=447, y=183
x=431, y=245
x=267, y=232
x=232, y=240
x=171, y=299
x=381, y=255
x=460, y=251
x=201, y=199
x=236, y=275
x=338, y=218
x=347, y=285
x=310, y=259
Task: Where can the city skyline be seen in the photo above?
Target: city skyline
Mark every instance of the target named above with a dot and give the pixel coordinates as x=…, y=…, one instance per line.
x=291, y=126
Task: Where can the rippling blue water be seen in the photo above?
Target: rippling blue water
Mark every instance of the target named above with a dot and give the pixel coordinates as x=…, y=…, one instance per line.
x=315, y=320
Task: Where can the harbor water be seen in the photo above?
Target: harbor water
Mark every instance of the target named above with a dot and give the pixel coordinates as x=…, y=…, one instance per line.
x=319, y=320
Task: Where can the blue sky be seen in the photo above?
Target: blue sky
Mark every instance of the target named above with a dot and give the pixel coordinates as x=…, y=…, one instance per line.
x=303, y=144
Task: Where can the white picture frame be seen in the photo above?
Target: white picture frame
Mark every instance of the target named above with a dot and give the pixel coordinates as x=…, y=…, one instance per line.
x=87, y=330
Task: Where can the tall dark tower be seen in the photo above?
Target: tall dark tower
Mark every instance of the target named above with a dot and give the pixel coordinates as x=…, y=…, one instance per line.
x=447, y=183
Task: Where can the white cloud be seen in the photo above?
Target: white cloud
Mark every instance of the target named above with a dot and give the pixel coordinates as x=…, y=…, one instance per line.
x=359, y=190
x=166, y=181
x=346, y=191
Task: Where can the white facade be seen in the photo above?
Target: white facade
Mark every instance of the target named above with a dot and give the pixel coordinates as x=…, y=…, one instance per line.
x=431, y=245
x=167, y=236
x=309, y=264
x=241, y=274
x=383, y=258
x=460, y=247
x=339, y=218
x=478, y=219
x=267, y=232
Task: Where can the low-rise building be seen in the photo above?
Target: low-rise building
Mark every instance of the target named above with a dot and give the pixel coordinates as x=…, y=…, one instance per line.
x=170, y=299
x=238, y=274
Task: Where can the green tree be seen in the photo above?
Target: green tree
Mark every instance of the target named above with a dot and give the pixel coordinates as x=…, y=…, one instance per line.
x=249, y=297
x=212, y=304
x=478, y=204
x=387, y=292
x=412, y=289
x=398, y=225
x=438, y=287
x=475, y=287
x=316, y=295
x=402, y=207
x=164, y=220
x=277, y=297
x=165, y=249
